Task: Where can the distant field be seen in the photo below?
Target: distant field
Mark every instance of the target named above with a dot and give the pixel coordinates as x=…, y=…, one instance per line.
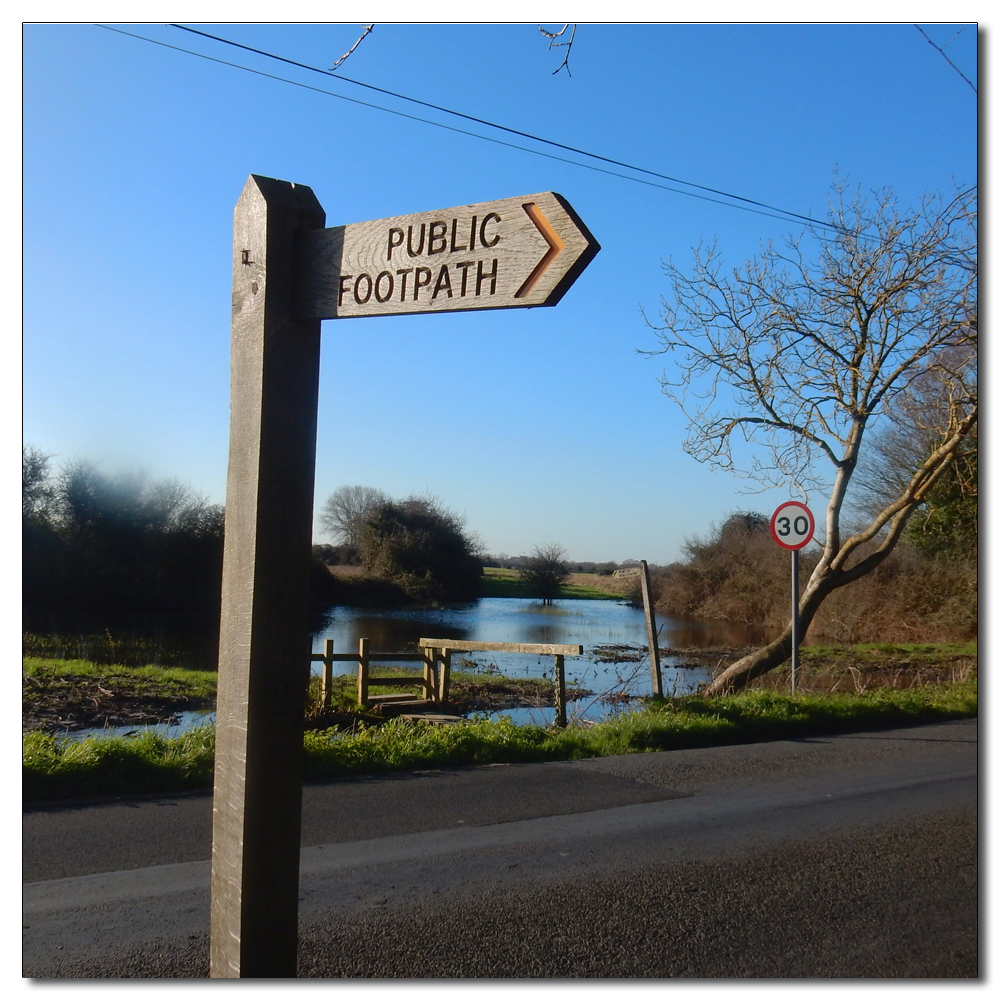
x=588, y=586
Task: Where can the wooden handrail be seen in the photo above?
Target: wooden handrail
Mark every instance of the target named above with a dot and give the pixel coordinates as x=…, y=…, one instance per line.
x=540, y=648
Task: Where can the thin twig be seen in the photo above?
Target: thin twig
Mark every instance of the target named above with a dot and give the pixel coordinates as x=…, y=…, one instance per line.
x=340, y=62
x=945, y=57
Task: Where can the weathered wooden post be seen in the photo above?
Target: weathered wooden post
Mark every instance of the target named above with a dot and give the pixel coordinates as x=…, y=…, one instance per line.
x=654, y=647
x=362, y=673
x=430, y=674
x=264, y=642
x=444, y=675
x=289, y=273
x=560, y=690
x=326, y=685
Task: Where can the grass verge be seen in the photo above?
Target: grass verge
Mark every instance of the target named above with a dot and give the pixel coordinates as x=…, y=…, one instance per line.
x=148, y=763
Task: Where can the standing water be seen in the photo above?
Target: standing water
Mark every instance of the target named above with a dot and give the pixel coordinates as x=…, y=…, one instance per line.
x=607, y=630
x=614, y=666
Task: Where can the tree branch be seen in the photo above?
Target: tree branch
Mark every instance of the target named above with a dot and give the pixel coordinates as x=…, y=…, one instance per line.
x=552, y=36
x=364, y=34
x=947, y=60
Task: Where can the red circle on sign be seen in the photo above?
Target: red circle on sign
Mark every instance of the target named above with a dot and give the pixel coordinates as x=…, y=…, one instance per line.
x=792, y=525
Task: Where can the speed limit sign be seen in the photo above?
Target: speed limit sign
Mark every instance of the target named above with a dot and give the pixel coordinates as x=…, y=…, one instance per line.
x=792, y=525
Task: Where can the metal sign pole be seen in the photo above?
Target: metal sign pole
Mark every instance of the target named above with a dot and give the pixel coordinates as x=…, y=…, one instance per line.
x=792, y=527
x=795, y=615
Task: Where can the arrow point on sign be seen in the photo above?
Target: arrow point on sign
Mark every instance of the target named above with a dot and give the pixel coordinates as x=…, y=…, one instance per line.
x=556, y=247
x=579, y=245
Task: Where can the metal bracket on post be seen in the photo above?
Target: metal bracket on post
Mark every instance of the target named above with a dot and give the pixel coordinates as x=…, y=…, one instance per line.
x=264, y=638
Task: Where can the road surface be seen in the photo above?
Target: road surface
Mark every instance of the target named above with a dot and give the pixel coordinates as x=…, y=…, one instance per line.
x=837, y=856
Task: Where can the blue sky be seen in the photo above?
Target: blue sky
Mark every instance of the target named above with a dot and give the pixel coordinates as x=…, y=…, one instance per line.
x=539, y=425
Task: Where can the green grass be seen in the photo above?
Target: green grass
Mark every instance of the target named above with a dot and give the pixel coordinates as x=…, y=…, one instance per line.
x=198, y=685
x=55, y=768
x=127, y=650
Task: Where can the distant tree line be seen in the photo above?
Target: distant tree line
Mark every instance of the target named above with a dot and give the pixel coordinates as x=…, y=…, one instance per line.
x=104, y=551
x=607, y=568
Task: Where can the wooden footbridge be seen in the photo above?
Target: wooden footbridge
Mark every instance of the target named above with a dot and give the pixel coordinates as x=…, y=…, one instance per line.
x=428, y=689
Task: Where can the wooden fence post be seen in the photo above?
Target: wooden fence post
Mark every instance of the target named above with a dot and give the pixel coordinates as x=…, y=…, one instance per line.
x=362, y=673
x=264, y=639
x=560, y=691
x=326, y=684
x=654, y=648
x=430, y=687
x=444, y=677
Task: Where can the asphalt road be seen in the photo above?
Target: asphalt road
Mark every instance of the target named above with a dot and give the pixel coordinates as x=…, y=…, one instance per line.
x=849, y=856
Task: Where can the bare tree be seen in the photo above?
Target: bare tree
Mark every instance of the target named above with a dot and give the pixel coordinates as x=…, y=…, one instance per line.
x=346, y=510
x=805, y=346
x=544, y=571
x=907, y=436
x=36, y=487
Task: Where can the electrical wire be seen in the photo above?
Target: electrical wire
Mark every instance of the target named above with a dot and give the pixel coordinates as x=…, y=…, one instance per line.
x=773, y=212
x=503, y=128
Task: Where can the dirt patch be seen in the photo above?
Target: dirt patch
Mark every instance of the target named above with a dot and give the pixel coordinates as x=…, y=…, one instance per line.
x=69, y=702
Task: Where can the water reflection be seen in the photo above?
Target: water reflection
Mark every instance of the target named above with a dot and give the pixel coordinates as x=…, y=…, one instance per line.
x=184, y=722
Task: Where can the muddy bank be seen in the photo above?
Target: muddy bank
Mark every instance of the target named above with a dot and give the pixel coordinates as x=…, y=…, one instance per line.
x=70, y=702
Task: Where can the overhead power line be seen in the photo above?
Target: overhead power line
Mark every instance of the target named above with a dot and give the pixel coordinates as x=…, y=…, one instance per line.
x=475, y=135
x=748, y=204
x=504, y=128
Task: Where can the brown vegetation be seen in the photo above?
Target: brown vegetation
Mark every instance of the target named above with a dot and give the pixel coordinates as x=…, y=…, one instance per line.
x=741, y=575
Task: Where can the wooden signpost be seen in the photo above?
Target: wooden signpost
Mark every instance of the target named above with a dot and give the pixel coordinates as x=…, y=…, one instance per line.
x=289, y=273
